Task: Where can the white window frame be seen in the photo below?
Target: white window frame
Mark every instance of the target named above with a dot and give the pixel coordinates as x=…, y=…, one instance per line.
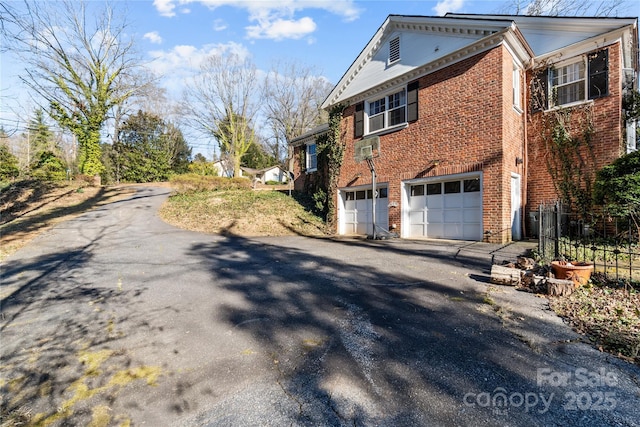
x=566, y=73
x=517, y=88
x=311, y=166
x=392, y=102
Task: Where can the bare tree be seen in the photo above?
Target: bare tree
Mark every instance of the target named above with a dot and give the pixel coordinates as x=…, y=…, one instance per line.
x=81, y=67
x=599, y=8
x=292, y=96
x=222, y=102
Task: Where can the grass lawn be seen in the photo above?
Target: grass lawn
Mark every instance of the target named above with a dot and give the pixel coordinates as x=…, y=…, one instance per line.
x=241, y=212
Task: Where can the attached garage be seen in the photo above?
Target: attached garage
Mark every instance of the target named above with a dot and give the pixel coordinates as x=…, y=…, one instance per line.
x=443, y=208
x=356, y=210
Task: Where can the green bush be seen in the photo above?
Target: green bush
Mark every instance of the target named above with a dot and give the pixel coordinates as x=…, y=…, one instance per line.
x=203, y=168
x=617, y=187
x=192, y=182
x=48, y=167
x=8, y=164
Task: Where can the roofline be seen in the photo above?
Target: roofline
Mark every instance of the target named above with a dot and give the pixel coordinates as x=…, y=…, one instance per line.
x=374, y=44
x=310, y=135
x=482, y=45
x=509, y=32
x=501, y=15
x=596, y=42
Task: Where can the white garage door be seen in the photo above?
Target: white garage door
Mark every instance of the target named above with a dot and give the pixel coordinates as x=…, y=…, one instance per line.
x=447, y=209
x=357, y=207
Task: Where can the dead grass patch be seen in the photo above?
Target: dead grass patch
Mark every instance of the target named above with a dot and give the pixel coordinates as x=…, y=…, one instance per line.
x=609, y=316
x=28, y=208
x=241, y=212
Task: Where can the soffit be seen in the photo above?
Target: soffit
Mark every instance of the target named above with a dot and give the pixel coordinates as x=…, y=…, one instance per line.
x=546, y=34
x=423, y=40
x=430, y=43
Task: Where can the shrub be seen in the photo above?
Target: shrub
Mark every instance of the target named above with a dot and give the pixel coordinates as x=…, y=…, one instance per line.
x=48, y=167
x=193, y=183
x=203, y=168
x=617, y=186
x=8, y=164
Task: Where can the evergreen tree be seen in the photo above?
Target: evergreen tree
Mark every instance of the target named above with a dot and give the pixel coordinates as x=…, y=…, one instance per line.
x=148, y=150
x=40, y=136
x=47, y=166
x=9, y=168
x=257, y=158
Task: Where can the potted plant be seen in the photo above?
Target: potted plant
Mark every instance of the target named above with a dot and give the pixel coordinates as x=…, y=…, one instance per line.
x=578, y=272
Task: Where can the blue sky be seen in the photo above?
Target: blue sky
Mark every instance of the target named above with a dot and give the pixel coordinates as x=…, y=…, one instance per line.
x=327, y=35
x=173, y=36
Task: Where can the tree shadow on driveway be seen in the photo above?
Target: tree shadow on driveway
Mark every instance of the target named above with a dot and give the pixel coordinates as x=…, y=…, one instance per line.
x=361, y=334
x=159, y=326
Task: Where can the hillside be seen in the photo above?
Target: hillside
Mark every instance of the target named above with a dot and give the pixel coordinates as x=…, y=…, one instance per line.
x=242, y=212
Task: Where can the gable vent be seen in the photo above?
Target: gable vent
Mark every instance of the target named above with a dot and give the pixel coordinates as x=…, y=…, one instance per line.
x=394, y=50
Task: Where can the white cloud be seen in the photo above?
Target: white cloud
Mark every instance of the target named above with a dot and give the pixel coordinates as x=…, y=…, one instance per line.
x=153, y=37
x=280, y=29
x=275, y=19
x=445, y=6
x=219, y=25
x=165, y=7
x=176, y=66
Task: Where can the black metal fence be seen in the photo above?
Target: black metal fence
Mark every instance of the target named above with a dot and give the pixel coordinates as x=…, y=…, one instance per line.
x=610, y=243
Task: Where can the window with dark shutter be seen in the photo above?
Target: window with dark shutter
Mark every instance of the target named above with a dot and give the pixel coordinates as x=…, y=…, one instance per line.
x=394, y=50
x=412, y=101
x=598, y=74
x=358, y=129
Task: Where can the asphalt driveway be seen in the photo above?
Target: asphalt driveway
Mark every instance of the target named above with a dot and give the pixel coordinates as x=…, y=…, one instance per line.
x=116, y=317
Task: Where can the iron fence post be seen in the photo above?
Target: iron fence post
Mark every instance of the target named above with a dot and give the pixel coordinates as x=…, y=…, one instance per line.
x=557, y=209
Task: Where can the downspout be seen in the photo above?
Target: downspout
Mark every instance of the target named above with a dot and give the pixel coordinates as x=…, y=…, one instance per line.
x=525, y=155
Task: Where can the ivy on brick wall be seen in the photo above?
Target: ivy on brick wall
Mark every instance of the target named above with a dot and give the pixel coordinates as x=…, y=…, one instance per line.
x=330, y=155
x=569, y=156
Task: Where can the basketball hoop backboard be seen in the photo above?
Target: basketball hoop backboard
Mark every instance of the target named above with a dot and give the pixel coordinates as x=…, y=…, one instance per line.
x=367, y=148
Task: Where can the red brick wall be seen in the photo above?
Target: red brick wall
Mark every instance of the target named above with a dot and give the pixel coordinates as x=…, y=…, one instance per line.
x=512, y=144
x=466, y=123
x=299, y=175
x=607, y=140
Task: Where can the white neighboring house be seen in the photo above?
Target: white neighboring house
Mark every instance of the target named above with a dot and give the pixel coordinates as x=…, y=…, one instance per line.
x=224, y=168
x=272, y=173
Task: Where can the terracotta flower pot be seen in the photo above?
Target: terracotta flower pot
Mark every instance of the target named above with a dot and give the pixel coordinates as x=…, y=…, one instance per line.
x=579, y=272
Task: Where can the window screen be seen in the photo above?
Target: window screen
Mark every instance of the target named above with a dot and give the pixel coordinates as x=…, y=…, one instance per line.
x=567, y=83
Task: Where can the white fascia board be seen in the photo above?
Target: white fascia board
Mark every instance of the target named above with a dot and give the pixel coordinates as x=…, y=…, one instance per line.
x=356, y=66
x=517, y=45
x=471, y=29
x=557, y=23
x=468, y=51
x=310, y=136
x=584, y=47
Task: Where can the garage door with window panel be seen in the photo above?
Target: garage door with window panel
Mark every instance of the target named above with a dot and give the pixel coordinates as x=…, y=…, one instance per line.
x=447, y=209
x=357, y=218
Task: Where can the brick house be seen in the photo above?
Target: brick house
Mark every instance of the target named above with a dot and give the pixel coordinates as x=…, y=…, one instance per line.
x=457, y=106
